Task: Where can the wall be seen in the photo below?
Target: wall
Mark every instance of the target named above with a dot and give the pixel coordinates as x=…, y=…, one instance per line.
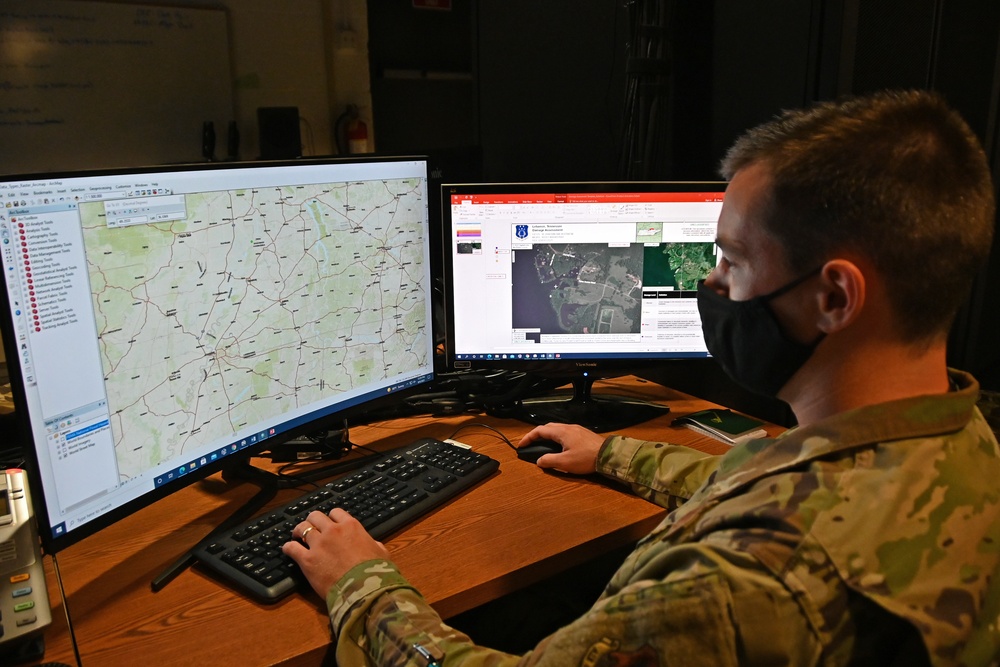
x=306, y=53
x=550, y=99
x=535, y=86
x=280, y=59
x=347, y=52
x=65, y=108
x=423, y=76
x=311, y=54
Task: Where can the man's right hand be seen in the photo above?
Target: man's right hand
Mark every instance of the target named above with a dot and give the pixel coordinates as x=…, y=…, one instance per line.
x=580, y=447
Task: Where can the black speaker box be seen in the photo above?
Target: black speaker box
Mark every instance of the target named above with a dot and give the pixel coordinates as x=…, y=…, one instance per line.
x=279, y=133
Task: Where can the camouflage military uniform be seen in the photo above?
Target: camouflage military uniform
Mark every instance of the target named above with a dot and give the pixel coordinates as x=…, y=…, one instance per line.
x=866, y=538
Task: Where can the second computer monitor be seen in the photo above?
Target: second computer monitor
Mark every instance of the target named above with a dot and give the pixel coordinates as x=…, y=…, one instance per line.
x=577, y=280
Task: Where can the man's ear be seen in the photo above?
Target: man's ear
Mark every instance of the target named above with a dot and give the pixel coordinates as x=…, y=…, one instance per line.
x=842, y=298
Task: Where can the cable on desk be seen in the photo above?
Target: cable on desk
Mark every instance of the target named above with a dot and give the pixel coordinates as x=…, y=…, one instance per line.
x=345, y=446
x=310, y=468
x=327, y=444
x=65, y=601
x=486, y=426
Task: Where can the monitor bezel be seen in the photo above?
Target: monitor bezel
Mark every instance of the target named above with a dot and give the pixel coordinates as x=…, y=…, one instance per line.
x=592, y=368
x=317, y=422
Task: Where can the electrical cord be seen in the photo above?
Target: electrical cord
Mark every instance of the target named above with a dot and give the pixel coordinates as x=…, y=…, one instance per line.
x=313, y=471
x=310, y=466
x=498, y=433
x=65, y=602
x=311, y=143
x=12, y=457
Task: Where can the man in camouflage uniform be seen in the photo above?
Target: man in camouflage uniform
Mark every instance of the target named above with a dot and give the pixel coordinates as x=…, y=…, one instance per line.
x=870, y=533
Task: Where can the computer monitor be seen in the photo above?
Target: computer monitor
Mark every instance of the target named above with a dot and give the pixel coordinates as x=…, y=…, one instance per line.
x=579, y=281
x=162, y=323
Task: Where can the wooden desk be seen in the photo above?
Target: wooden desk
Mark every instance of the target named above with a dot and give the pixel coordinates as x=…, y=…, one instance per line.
x=516, y=528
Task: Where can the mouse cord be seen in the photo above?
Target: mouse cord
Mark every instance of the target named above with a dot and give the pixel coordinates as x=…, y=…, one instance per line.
x=486, y=426
x=65, y=601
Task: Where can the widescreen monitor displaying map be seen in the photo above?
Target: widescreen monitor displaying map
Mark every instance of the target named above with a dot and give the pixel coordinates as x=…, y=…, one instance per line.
x=159, y=323
x=580, y=280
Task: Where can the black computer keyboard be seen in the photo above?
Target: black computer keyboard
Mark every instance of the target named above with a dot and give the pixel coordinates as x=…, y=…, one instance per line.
x=384, y=495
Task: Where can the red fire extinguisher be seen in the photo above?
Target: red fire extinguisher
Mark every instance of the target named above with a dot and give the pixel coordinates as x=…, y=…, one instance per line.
x=357, y=136
x=351, y=133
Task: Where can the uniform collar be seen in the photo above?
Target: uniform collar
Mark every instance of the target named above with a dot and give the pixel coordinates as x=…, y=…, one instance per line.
x=916, y=417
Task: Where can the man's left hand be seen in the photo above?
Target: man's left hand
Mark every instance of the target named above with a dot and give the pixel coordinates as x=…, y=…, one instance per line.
x=327, y=546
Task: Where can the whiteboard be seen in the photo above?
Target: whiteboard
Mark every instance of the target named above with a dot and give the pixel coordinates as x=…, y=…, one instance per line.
x=98, y=84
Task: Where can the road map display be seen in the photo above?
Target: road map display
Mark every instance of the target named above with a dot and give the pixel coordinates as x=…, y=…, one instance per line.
x=258, y=302
x=591, y=288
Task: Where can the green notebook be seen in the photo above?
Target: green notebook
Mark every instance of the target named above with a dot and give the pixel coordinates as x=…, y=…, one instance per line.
x=723, y=424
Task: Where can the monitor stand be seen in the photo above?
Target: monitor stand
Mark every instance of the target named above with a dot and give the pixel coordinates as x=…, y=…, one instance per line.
x=598, y=412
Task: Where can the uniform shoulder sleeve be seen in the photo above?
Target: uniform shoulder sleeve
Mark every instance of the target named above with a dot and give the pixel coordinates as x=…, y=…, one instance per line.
x=380, y=619
x=661, y=473
x=715, y=609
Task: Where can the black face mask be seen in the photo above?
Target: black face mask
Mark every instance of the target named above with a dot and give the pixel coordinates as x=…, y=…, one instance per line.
x=748, y=342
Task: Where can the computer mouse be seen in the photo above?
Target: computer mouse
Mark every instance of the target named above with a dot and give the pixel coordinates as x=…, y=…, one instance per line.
x=538, y=448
